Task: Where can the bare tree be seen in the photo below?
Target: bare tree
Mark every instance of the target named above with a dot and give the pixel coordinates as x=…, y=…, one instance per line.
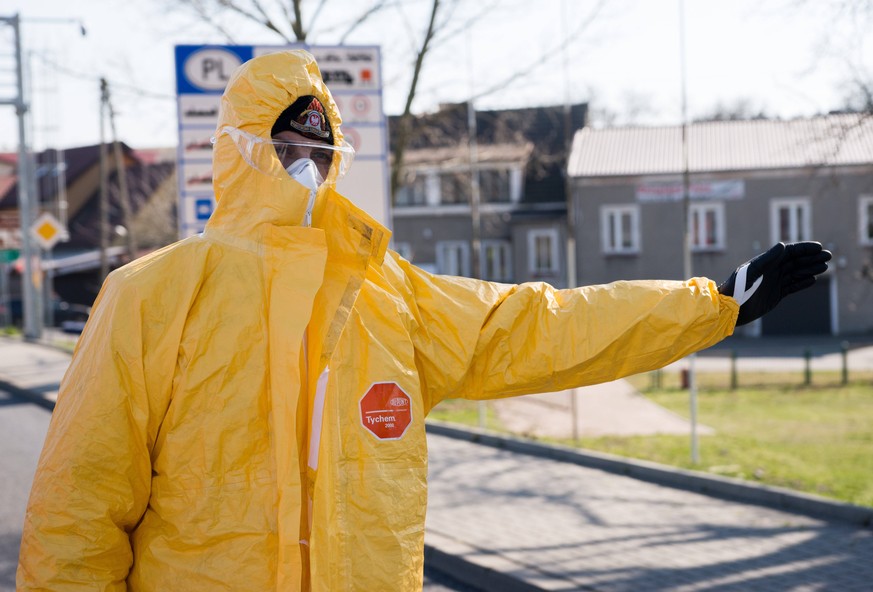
x=737, y=110
x=287, y=22
x=402, y=137
x=446, y=19
x=856, y=16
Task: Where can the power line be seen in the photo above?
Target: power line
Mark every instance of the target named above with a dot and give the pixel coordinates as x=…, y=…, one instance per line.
x=119, y=86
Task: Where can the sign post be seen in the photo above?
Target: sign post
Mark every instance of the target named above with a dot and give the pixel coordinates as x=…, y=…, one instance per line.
x=26, y=192
x=353, y=75
x=7, y=256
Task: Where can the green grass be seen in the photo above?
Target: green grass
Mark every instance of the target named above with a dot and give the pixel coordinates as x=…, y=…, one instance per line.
x=466, y=412
x=816, y=439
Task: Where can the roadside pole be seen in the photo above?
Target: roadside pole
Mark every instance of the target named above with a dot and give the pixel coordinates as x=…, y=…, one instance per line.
x=688, y=238
x=30, y=296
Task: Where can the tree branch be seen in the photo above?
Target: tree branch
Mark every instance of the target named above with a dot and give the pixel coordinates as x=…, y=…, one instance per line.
x=207, y=16
x=370, y=12
x=404, y=125
x=266, y=22
x=297, y=23
x=544, y=57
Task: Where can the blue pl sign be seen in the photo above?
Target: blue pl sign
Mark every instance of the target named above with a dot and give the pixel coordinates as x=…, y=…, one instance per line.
x=202, y=72
x=207, y=68
x=203, y=208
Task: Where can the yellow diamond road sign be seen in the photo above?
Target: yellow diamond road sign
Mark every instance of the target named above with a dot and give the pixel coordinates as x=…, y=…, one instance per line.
x=47, y=231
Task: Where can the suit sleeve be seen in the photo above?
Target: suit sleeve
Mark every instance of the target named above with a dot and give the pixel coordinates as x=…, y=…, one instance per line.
x=483, y=340
x=93, y=478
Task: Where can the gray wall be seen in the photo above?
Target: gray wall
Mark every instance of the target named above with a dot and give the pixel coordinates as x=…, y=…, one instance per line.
x=834, y=198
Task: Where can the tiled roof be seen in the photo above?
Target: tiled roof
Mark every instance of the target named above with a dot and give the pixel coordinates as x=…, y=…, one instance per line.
x=544, y=127
x=142, y=181
x=78, y=161
x=845, y=139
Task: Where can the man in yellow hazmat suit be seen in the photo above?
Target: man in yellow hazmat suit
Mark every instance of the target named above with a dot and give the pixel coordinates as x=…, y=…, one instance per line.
x=245, y=409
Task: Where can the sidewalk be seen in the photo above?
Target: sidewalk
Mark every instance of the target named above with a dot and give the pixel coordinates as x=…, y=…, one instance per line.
x=32, y=370
x=517, y=522
x=508, y=521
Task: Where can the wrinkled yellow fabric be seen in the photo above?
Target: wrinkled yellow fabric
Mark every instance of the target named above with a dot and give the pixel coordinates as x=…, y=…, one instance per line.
x=178, y=454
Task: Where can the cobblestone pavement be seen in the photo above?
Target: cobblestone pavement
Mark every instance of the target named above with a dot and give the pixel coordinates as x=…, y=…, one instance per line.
x=564, y=527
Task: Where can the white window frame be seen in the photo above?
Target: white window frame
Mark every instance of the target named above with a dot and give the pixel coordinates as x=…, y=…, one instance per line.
x=516, y=184
x=404, y=249
x=504, y=253
x=865, y=220
x=798, y=231
x=532, y=236
x=409, y=186
x=699, y=240
x=445, y=260
x=611, y=226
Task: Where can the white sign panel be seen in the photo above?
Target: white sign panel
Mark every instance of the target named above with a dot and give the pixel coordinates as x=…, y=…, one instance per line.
x=698, y=190
x=353, y=74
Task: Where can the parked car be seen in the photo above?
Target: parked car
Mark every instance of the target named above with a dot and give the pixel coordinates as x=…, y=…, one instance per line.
x=67, y=316
x=71, y=318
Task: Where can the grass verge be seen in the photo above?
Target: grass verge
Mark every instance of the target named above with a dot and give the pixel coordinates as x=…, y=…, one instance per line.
x=815, y=439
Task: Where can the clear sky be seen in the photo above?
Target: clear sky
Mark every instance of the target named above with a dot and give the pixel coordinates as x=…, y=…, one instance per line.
x=786, y=57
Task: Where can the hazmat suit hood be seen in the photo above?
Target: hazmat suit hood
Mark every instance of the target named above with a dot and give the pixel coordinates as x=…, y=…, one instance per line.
x=252, y=196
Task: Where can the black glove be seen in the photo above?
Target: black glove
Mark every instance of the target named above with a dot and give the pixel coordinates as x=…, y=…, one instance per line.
x=760, y=284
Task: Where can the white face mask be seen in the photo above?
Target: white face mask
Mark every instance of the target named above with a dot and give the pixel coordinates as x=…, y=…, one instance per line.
x=304, y=171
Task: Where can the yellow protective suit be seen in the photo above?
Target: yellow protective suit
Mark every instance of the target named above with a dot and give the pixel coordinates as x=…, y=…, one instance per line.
x=218, y=426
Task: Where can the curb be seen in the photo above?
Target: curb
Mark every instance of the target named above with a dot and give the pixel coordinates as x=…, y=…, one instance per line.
x=711, y=485
x=481, y=577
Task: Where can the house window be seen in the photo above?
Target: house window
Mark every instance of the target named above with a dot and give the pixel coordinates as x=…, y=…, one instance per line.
x=413, y=191
x=453, y=258
x=495, y=186
x=865, y=220
x=790, y=220
x=542, y=250
x=620, y=229
x=706, y=226
x=496, y=262
x=455, y=188
x=404, y=250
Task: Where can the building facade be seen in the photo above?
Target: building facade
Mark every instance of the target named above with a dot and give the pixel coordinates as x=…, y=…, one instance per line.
x=746, y=186
x=519, y=160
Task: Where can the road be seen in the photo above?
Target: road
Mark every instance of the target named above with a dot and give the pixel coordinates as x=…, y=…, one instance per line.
x=22, y=431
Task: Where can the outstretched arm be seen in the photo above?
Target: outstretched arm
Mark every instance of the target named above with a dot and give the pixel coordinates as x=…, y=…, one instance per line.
x=483, y=340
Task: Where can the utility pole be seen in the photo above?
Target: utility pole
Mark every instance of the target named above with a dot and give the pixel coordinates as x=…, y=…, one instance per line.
x=474, y=190
x=104, y=185
x=572, y=280
x=686, y=245
x=120, y=170
x=473, y=145
x=30, y=293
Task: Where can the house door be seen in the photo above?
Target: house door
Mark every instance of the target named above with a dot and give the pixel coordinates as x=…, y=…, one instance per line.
x=807, y=312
